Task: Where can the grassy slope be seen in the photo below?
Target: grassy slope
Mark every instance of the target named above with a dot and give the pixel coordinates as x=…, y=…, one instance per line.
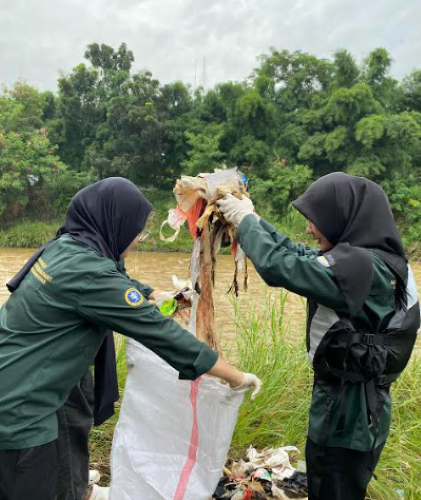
x=31, y=233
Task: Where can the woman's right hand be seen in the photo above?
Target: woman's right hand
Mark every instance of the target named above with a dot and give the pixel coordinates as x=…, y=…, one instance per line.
x=235, y=378
x=250, y=382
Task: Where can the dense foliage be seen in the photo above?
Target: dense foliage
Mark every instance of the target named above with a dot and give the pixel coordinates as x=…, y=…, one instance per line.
x=294, y=119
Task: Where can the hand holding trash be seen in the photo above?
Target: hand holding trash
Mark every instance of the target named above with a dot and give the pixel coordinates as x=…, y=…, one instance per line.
x=234, y=210
x=178, y=300
x=250, y=382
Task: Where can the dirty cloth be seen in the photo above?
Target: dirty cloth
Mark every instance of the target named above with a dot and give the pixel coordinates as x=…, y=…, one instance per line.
x=196, y=204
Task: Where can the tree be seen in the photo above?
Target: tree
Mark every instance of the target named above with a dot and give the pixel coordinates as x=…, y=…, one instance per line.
x=204, y=154
x=28, y=161
x=411, y=89
x=105, y=58
x=346, y=70
x=284, y=184
x=376, y=73
x=78, y=102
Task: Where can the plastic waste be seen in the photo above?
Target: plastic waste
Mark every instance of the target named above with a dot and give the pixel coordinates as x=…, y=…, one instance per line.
x=196, y=195
x=170, y=302
x=176, y=218
x=267, y=474
x=296, y=484
x=230, y=179
x=262, y=475
x=168, y=307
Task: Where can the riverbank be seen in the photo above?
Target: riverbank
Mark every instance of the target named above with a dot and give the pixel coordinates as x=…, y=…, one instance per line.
x=32, y=233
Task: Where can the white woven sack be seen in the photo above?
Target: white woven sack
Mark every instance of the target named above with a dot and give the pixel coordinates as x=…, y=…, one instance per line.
x=173, y=436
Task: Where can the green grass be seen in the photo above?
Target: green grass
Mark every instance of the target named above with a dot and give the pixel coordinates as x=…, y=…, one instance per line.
x=31, y=232
x=28, y=234
x=278, y=416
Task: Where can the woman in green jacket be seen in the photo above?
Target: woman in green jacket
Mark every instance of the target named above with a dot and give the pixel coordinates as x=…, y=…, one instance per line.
x=67, y=297
x=363, y=317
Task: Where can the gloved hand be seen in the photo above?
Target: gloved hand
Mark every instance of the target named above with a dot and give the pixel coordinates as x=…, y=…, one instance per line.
x=250, y=382
x=234, y=210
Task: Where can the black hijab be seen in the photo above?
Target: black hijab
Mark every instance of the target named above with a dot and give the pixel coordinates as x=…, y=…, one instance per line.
x=106, y=216
x=354, y=214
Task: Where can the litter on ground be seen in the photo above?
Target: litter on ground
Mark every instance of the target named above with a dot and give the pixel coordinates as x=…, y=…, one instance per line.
x=263, y=475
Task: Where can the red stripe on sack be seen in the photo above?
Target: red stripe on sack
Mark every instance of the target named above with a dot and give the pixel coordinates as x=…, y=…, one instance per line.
x=194, y=444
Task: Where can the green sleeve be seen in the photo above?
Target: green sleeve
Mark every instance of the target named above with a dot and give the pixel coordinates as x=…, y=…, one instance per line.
x=280, y=266
x=145, y=290
x=286, y=242
x=105, y=302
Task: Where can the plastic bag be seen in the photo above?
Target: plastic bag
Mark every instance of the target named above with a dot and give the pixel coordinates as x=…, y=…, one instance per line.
x=173, y=436
x=176, y=218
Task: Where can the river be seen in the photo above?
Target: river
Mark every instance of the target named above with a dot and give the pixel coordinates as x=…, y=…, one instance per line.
x=157, y=268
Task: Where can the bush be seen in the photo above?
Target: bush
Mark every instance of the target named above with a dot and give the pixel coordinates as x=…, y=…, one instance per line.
x=28, y=234
x=405, y=199
x=283, y=185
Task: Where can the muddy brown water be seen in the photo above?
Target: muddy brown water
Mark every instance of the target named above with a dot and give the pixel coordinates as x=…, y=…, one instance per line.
x=157, y=268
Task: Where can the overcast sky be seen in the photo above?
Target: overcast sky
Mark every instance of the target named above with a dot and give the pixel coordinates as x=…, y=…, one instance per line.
x=171, y=37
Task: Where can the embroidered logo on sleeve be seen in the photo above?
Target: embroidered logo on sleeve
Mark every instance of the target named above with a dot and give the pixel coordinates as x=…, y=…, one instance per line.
x=133, y=297
x=323, y=261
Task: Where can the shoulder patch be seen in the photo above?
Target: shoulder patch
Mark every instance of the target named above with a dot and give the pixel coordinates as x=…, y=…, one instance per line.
x=133, y=297
x=323, y=261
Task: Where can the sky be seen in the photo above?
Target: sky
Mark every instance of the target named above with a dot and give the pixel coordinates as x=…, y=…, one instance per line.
x=202, y=41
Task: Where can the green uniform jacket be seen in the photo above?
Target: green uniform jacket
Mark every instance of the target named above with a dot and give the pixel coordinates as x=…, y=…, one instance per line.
x=282, y=263
x=52, y=327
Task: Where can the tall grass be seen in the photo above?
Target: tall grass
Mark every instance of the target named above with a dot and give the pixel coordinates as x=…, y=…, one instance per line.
x=33, y=232
x=278, y=416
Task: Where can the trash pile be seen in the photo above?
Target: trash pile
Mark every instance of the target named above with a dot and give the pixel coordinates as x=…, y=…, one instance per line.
x=265, y=475
x=196, y=203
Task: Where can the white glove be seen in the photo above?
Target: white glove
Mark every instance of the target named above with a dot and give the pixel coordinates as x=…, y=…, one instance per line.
x=234, y=210
x=250, y=382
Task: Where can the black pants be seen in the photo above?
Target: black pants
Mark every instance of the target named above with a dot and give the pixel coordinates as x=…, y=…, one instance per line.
x=29, y=474
x=75, y=421
x=342, y=474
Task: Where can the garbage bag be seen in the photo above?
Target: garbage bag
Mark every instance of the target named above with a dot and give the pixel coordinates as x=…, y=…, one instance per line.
x=173, y=436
